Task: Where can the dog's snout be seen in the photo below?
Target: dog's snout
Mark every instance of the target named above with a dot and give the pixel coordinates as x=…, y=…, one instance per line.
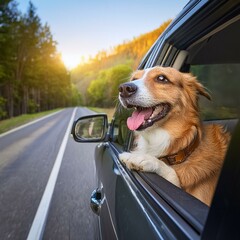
x=127, y=89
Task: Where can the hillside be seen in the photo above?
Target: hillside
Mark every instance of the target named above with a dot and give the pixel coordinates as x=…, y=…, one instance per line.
x=91, y=78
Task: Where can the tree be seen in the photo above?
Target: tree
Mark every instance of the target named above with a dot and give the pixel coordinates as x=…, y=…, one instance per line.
x=28, y=50
x=32, y=74
x=117, y=75
x=103, y=91
x=97, y=91
x=9, y=19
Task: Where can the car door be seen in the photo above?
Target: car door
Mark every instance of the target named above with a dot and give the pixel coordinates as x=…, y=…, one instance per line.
x=123, y=208
x=136, y=205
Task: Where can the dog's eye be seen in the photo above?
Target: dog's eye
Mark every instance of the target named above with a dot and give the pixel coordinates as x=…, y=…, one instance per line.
x=162, y=79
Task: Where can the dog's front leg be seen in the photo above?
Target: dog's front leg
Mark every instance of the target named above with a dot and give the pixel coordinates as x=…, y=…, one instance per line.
x=147, y=163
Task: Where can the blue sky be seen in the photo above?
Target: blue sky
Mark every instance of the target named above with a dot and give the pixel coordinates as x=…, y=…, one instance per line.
x=82, y=28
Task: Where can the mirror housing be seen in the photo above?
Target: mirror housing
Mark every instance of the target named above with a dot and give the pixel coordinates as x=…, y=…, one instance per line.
x=91, y=128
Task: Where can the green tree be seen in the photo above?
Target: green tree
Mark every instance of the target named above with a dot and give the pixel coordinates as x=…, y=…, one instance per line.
x=9, y=20
x=28, y=51
x=117, y=75
x=32, y=74
x=103, y=91
x=97, y=91
x=76, y=97
x=2, y=107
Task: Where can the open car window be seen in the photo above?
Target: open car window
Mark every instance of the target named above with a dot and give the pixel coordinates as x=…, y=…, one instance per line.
x=222, y=80
x=216, y=63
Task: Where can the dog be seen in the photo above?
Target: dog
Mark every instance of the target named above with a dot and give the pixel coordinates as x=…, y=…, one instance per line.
x=171, y=140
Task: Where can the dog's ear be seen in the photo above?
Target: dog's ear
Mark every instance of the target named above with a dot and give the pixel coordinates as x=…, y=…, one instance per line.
x=202, y=90
x=194, y=83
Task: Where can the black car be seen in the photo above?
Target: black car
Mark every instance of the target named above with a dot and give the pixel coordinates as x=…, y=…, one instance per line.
x=204, y=39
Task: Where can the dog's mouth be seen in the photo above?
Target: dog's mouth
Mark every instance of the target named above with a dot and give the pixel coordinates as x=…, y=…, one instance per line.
x=143, y=117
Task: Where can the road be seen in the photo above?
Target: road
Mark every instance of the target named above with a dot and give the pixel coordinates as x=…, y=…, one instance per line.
x=27, y=157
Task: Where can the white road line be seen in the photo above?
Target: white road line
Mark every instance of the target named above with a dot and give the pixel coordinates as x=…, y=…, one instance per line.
x=38, y=225
x=27, y=124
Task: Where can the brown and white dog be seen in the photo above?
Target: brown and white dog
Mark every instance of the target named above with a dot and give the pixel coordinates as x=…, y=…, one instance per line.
x=171, y=140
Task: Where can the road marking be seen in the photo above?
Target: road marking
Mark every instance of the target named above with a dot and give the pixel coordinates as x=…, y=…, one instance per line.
x=27, y=124
x=38, y=225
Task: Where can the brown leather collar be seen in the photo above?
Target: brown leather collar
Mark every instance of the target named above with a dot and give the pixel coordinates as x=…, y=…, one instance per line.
x=183, y=154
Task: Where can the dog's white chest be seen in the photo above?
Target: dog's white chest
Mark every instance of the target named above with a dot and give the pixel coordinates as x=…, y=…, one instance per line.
x=154, y=143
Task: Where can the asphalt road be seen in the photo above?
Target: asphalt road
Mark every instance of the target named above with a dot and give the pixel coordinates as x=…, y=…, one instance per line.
x=27, y=157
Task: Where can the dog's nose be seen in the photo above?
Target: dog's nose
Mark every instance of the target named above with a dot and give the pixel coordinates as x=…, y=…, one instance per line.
x=127, y=89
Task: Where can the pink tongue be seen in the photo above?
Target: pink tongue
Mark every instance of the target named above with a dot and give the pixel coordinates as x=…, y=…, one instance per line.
x=138, y=117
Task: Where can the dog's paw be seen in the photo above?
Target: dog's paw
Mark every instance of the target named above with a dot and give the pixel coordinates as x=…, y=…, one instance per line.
x=125, y=156
x=131, y=160
x=147, y=163
x=140, y=162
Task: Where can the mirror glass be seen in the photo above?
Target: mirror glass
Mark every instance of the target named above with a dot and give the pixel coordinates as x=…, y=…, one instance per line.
x=90, y=128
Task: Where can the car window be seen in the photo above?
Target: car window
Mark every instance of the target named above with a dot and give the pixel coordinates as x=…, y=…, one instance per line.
x=216, y=63
x=223, y=82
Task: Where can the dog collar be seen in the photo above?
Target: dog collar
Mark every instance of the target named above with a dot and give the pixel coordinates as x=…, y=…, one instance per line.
x=183, y=154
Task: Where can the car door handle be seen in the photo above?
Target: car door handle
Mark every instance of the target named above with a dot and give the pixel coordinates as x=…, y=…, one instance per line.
x=96, y=201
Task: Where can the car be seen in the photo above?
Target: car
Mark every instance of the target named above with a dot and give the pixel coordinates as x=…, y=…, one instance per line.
x=204, y=40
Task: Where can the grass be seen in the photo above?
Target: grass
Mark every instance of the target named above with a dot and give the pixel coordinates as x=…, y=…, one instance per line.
x=8, y=124
x=108, y=111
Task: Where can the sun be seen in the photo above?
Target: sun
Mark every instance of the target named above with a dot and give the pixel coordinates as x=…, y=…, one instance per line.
x=71, y=60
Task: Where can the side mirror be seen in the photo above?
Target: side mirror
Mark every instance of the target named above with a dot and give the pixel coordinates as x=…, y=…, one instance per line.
x=91, y=128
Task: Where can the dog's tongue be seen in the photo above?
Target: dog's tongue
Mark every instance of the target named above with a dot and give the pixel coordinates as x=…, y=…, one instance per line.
x=138, y=117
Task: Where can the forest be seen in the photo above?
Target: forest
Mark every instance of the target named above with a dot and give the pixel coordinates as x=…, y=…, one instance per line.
x=33, y=77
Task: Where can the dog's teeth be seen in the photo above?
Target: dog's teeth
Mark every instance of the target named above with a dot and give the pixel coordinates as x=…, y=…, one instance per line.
x=149, y=120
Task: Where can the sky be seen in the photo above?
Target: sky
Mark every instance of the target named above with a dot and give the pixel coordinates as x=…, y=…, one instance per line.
x=83, y=28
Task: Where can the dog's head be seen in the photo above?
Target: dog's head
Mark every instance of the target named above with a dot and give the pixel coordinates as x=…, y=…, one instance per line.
x=158, y=94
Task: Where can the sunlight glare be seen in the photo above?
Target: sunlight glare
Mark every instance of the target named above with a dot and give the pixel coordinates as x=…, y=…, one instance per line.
x=70, y=60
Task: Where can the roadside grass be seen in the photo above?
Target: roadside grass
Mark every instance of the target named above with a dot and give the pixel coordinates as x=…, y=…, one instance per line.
x=108, y=111
x=8, y=124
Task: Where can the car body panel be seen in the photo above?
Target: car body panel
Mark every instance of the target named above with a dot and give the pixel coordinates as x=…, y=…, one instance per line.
x=119, y=199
